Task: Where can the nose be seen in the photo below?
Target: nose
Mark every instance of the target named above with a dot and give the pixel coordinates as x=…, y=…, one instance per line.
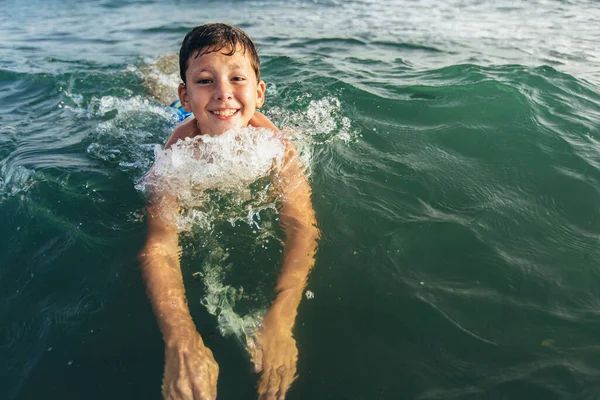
x=223, y=90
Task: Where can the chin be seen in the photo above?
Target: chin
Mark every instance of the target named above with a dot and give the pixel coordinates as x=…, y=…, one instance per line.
x=224, y=129
x=219, y=132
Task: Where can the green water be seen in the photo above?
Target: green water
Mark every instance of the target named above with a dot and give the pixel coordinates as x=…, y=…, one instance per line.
x=455, y=166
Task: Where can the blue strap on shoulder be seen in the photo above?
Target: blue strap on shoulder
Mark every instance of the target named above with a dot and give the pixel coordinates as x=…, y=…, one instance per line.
x=181, y=112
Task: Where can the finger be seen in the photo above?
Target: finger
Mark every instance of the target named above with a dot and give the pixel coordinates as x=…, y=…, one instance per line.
x=198, y=388
x=267, y=383
x=274, y=381
x=173, y=391
x=202, y=394
x=257, y=359
x=166, y=393
x=250, y=345
x=254, y=348
x=287, y=378
x=198, y=395
x=263, y=383
x=214, y=377
x=182, y=391
x=182, y=388
x=165, y=390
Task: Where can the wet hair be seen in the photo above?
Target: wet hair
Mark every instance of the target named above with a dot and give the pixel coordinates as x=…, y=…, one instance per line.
x=215, y=37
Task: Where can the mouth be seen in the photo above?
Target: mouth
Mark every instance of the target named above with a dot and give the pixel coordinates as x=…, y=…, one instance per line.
x=225, y=113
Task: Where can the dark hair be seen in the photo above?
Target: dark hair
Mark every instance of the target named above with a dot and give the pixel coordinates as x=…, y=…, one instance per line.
x=215, y=37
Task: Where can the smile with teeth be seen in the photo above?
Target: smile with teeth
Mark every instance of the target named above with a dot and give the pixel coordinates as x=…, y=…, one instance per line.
x=225, y=113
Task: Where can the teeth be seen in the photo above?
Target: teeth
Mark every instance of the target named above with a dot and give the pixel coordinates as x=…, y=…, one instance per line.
x=225, y=113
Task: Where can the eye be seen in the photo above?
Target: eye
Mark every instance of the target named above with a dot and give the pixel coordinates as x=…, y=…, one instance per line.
x=238, y=79
x=204, y=81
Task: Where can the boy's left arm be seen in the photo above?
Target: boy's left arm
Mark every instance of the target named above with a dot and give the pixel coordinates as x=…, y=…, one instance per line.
x=275, y=352
x=260, y=120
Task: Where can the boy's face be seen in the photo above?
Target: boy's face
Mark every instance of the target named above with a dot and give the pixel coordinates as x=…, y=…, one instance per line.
x=221, y=91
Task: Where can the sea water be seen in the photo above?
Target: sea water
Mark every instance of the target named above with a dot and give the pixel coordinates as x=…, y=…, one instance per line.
x=453, y=150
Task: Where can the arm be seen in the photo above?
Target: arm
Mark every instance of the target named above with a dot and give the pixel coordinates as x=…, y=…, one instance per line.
x=190, y=369
x=276, y=353
x=299, y=224
x=259, y=120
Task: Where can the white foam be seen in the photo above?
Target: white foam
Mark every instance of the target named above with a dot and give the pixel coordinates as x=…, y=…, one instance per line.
x=193, y=170
x=14, y=179
x=125, y=108
x=160, y=76
x=220, y=299
x=321, y=122
x=227, y=162
x=133, y=105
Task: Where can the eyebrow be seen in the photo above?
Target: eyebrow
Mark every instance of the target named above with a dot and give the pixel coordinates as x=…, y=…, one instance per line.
x=235, y=66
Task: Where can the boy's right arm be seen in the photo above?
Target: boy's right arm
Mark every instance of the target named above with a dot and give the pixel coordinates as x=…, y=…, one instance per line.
x=190, y=368
x=187, y=128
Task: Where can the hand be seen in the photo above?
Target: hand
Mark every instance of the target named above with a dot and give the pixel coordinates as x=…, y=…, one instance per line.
x=191, y=371
x=274, y=353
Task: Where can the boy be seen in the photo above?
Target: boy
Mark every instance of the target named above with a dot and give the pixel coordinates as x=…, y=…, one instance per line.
x=220, y=70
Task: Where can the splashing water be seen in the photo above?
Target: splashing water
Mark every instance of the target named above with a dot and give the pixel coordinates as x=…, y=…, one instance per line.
x=161, y=76
x=14, y=179
x=216, y=180
x=322, y=121
x=192, y=169
x=220, y=299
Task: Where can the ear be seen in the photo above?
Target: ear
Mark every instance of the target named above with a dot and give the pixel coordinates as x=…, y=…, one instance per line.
x=260, y=94
x=184, y=98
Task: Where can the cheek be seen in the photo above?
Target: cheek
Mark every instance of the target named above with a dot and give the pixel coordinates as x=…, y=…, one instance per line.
x=256, y=95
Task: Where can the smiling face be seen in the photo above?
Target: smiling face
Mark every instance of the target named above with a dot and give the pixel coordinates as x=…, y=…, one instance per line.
x=222, y=91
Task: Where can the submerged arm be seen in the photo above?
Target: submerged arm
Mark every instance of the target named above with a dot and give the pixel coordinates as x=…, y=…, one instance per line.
x=190, y=369
x=301, y=234
x=276, y=353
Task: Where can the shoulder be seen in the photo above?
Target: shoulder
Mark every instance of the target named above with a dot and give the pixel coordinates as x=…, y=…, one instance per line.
x=187, y=129
x=259, y=120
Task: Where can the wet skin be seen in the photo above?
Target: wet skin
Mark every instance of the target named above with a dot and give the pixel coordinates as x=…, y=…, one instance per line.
x=222, y=95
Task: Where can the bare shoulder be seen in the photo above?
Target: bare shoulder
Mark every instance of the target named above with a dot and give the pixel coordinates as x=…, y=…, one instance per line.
x=187, y=129
x=260, y=120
